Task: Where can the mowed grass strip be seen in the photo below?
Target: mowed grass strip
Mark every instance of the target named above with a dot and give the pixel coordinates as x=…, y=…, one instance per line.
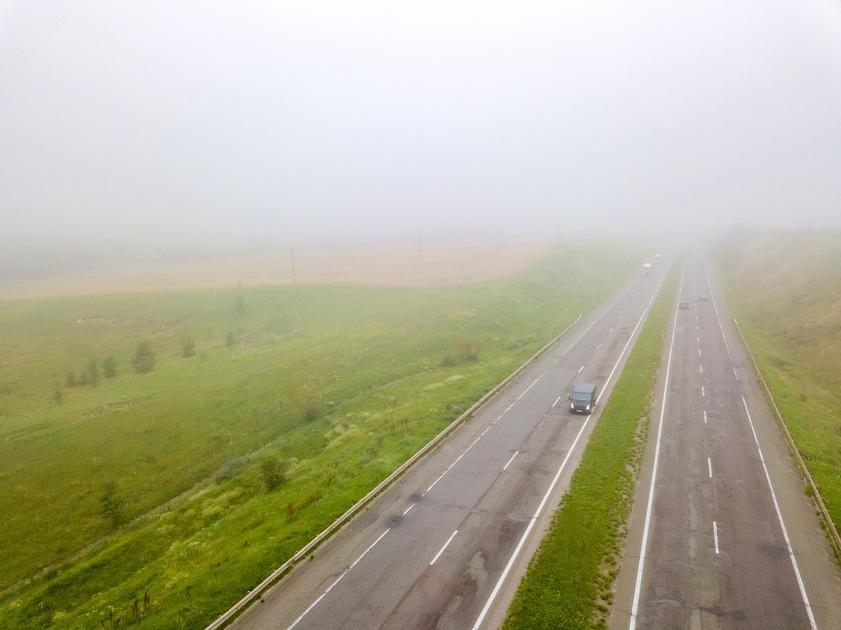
x=568, y=582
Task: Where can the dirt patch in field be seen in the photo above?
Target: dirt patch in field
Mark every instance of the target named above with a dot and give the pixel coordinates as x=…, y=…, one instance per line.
x=436, y=264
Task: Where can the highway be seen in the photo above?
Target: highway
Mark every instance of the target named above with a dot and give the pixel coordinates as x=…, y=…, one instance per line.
x=721, y=534
x=445, y=545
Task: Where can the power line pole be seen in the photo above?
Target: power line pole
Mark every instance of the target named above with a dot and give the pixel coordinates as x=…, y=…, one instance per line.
x=292, y=257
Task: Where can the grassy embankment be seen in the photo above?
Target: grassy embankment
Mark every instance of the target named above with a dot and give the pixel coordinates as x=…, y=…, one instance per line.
x=568, y=582
x=343, y=383
x=785, y=291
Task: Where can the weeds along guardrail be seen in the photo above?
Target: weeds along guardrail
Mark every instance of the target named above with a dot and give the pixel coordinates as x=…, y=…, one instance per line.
x=829, y=525
x=234, y=611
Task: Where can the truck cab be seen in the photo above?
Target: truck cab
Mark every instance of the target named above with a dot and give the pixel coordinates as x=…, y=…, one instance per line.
x=582, y=399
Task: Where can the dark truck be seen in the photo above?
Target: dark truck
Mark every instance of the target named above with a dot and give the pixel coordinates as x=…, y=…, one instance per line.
x=583, y=398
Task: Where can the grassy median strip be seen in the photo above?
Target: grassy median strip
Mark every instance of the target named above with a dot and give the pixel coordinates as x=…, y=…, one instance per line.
x=568, y=583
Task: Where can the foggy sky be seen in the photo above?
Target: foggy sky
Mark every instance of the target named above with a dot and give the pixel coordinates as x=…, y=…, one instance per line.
x=225, y=122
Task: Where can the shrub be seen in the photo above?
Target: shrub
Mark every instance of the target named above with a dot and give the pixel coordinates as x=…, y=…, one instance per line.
x=111, y=504
x=188, y=347
x=448, y=361
x=71, y=379
x=144, y=358
x=305, y=399
x=58, y=396
x=274, y=472
x=468, y=351
x=92, y=372
x=109, y=367
x=465, y=351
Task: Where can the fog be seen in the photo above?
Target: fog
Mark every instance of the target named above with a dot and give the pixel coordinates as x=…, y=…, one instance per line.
x=146, y=130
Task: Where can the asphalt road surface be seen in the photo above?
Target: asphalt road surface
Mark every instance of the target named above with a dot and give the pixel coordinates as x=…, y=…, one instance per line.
x=445, y=545
x=729, y=538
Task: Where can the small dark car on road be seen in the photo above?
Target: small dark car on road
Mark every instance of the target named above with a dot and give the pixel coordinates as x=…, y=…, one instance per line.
x=583, y=398
x=684, y=305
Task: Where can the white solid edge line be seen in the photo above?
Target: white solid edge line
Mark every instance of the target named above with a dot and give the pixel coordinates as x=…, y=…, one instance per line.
x=715, y=308
x=309, y=608
x=498, y=586
x=330, y=588
x=508, y=463
x=715, y=537
x=371, y=546
x=441, y=550
x=590, y=326
x=794, y=565
x=532, y=521
x=533, y=383
x=647, y=524
x=434, y=483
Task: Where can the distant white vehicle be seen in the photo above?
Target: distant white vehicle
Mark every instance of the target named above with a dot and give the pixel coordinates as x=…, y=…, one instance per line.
x=647, y=269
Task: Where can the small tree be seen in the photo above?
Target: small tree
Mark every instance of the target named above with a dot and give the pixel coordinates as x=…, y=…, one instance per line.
x=71, y=379
x=188, y=347
x=93, y=372
x=58, y=395
x=109, y=367
x=274, y=472
x=304, y=398
x=230, y=339
x=111, y=504
x=144, y=358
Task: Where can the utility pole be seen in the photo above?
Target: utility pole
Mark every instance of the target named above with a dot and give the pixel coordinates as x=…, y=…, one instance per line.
x=292, y=257
x=420, y=246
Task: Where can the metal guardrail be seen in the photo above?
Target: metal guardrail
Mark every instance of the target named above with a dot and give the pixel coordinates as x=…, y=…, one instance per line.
x=829, y=525
x=252, y=595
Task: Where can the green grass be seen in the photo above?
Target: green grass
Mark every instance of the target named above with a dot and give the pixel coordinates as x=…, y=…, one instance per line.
x=785, y=291
x=184, y=443
x=568, y=582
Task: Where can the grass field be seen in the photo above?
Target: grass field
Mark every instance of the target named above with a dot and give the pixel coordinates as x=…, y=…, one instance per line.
x=785, y=291
x=340, y=382
x=569, y=585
